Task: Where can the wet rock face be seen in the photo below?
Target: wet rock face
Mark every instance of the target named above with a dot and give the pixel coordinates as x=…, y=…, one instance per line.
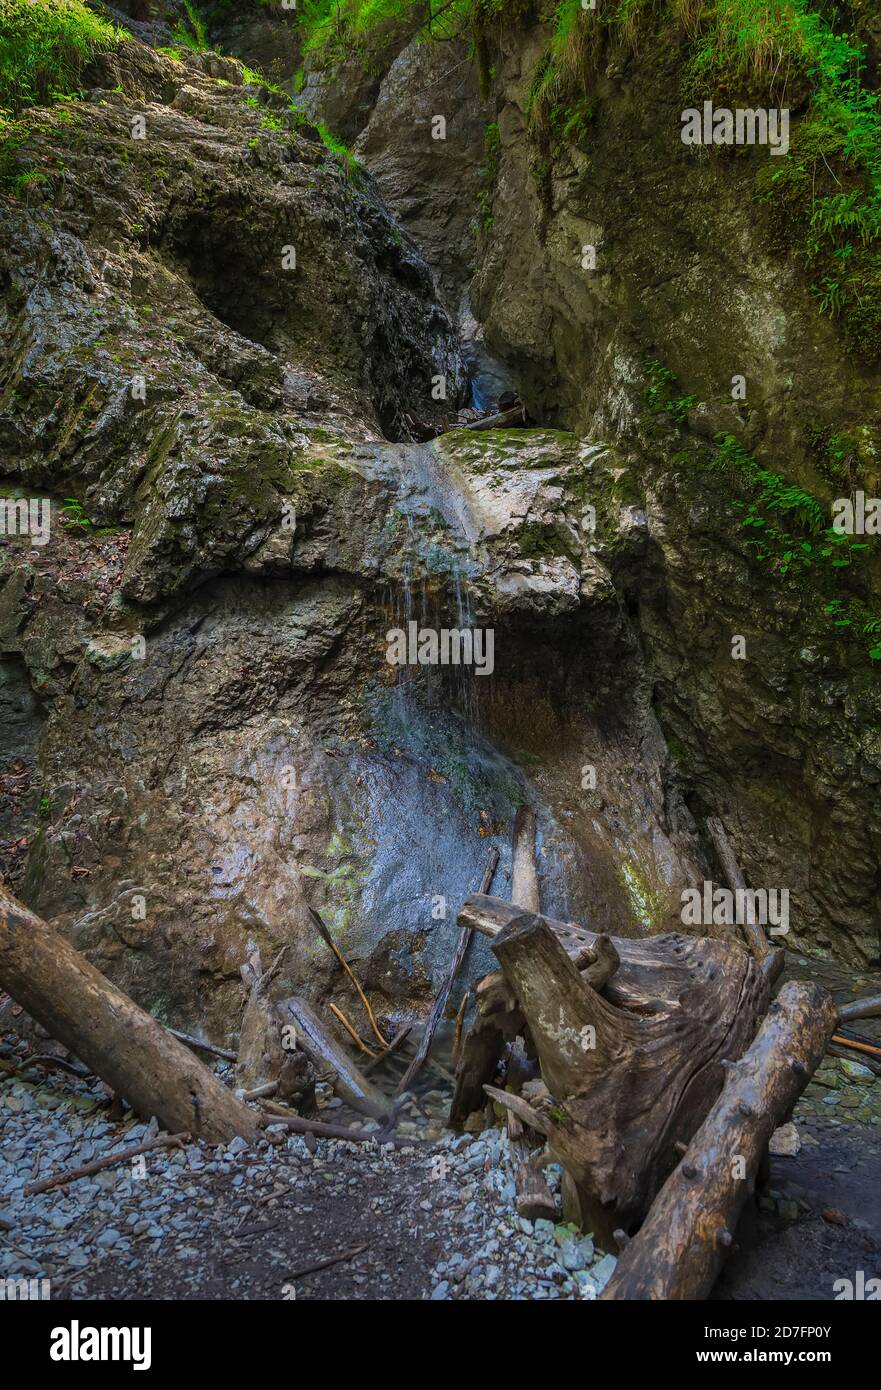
x=429, y=174
x=222, y=740
x=784, y=744
x=225, y=258
x=214, y=765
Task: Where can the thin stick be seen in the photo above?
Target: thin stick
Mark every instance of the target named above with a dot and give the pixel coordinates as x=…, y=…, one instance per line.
x=460, y=1017
x=269, y=1088
x=443, y=993
x=86, y=1171
x=325, y=1264
x=338, y=1013
x=836, y=1050
x=399, y=1039
x=298, y=1125
x=201, y=1046
x=329, y=941
x=57, y=1064
x=857, y=1046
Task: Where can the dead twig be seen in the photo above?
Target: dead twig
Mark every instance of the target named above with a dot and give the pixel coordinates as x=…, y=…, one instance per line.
x=86, y=1171
x=298, y=1125
x=199, y=1046
x=326, y=1264
x=329, y=941
x=358, y=1041
x=398, y=1040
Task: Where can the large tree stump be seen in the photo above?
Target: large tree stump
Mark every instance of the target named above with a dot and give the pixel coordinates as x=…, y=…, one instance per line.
x=683, y=1241
x=633, y=1071
x=108, y=1031
x=497, y=1020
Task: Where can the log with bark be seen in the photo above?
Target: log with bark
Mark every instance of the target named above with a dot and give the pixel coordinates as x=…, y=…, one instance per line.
x=867, y=1007
x=502, y=420
x=680, y=1247
x=632, y=1056
x=331, y=1061
x=104, y=1028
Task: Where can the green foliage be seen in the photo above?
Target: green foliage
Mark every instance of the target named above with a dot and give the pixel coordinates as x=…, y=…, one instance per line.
x=276, y=120
x=818, y=548
x=769, y=506
x=73, y=515
x=44, y=45
x=192, y=33
x=661, y=395
x=488, y=176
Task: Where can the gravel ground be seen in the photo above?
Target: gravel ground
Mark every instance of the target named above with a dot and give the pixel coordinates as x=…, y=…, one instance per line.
x=431, y=1219
x=430, y=1216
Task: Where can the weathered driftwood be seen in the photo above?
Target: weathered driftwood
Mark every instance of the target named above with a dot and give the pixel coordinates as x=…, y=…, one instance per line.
x=534, y=1199
x=524, y=870
x=443, y=994
x=497, y=1020
x=262, y=1059
x=633, y=1071
x=330, y=1060
x=752, y=929
x=867, y=1007
x=124, y=1045
x=502, y=420
x=683, y=1241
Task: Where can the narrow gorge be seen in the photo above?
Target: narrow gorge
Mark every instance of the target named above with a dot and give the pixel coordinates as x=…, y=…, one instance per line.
x=431, y=484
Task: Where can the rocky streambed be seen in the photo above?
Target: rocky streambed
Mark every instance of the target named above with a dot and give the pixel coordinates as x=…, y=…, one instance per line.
x=420, y=1213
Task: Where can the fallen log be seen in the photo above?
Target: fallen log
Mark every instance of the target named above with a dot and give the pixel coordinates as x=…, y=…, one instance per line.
x=867, y=1007
x=635, y=1072
x=499, y=421
x=330, y=1061
x=107, y=1030
x=680, y=1247
x=524, y=871
x=498, y=1017
x=752, y=930
x=443, y=994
